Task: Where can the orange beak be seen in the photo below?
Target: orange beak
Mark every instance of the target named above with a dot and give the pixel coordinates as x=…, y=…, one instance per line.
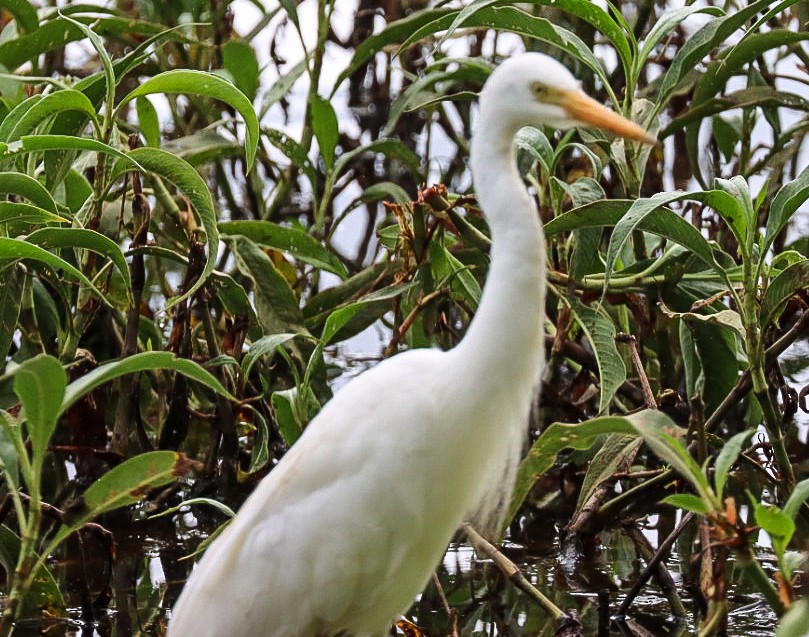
x=585, y=109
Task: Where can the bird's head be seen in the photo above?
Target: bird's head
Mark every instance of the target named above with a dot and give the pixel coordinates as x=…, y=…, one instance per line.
x=534, y=89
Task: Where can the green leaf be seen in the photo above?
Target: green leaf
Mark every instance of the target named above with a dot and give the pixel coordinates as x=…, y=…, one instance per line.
x=600, y=331
x=747, y=98
x=722, y=69
x=351, y=319
x=294, y=241
x=293, y=411
x=325, y=127
x=181, y=174
x=291, y=9
x=44, y=594
x=794, y=623
x=778, y=525
x=295, y=152
x=665, y=440
x=584, y=9
x=558, y=437
x=106, y=63
x=522, y=23
x=616, y=454
x=711, y=35
x=390, y=148
x=662, y=29
x=448, y=270
x=40, y=383
x=239, y=59
x=659, y=220
x=23, y=185
x=277, y=307
x=740, y=217
x=282, y=86
x=798, y=496
x=203, y=147
x=24, y=13
x=260, y=453
x=14, y=213
x=148, y=121
x=25, y=117
x=265, y=345
x=789, y=281
x=786, y=201
x=192, y=82
x=726, y=459
x=689, y=502
x=142, y=362
x=393, y=33
x=10, y=444
x=36, y=143
x=712, y=365
x=50, y=238
x=19, y=249
x=55, y=33
x=11, y=295
x=216, y=504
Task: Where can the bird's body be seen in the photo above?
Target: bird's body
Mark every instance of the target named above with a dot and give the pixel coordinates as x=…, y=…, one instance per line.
x=349, y=526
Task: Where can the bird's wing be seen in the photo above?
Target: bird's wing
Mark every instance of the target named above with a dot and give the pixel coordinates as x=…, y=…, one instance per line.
x=314, y=546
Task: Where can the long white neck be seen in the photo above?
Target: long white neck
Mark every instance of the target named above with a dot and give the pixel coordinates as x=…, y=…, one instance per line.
x=502, y=353
x=504, y=340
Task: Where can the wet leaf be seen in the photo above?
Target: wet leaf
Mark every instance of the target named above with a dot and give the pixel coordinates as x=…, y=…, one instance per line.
x=778, y=525
x=515, y=20
x=277, y=307
x=797, y=498
x=293, y=411
x=656, y=220
x=616, y=454
x=448, y=270
x=584, y=9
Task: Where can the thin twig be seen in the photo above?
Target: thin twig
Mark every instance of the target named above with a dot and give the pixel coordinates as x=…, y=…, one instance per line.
x=646, y=388
x=510, y=569
x=651, y=566
x=452, y=613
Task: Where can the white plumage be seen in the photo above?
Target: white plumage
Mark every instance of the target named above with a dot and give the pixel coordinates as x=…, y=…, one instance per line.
x=349, y=526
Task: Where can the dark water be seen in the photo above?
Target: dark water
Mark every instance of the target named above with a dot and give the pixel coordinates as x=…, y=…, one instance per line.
x=130, y=595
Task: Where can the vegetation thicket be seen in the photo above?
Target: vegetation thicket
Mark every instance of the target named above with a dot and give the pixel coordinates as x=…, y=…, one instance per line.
x=174, y=283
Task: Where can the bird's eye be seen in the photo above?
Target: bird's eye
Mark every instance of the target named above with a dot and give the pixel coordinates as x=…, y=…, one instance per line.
x=539, y=90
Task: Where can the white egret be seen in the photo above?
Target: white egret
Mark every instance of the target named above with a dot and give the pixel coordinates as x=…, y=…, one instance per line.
x=347, y=529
